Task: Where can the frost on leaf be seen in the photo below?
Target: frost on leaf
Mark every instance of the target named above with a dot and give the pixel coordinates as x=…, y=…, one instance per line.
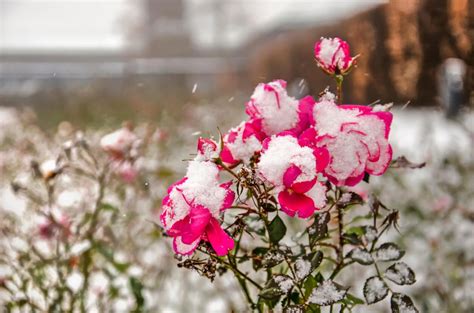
x=400, y=274
x=361, y=256
x=303, y=268
x=319, y=228
x=375, y=290
x=370, y=233
x=294, y=309
x=401, y=303
x=277, y=286
x=388, y=252
x=272, y=258
x=327, y=293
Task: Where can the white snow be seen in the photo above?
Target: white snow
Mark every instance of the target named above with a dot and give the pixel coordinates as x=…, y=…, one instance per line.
x=326, y=293
x=278, y=110
x=375, y=289
x=283, y=152
x=303, y=268
x=243, y=149
x=284, y=282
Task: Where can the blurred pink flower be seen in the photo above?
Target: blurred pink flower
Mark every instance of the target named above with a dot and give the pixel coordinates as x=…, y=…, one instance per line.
x=118, y=143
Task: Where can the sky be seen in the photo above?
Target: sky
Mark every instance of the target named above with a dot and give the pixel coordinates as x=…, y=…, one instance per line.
x=101, y=24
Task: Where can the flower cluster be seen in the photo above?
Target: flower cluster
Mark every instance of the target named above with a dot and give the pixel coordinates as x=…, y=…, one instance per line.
x=296, y=146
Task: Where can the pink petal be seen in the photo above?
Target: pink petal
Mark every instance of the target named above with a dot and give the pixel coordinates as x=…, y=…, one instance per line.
x=203, y=142
x=307, y=137
x=379, y=167
x=387, y=118
x=304, y=186
x=352, y=181
x=229, y=197
x=185, y=249
x=198, y=220
x=291, y=174
x=292, y=202
x=322, y=158
x=220, y=241
x=226, y=156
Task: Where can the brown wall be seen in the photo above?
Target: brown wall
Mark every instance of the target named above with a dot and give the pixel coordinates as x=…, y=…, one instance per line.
x=401, y=43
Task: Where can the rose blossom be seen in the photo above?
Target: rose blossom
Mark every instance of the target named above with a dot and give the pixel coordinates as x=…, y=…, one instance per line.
x=292, y=169
x=206, y=150
x=272, y=110
x=192, y=210
x=333, y=56
x=356, y=138
x=118, y=143
x=242, y=142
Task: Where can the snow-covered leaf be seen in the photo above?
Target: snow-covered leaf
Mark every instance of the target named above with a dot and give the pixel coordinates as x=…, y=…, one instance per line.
x=375, y=290
x=319, y=228
x=272, y=258
x=401, y=303
x=293, y=309
x=327, y=293
x=277, y=286
x=388, y=252
x=370, y=233
x=400, y=274
x=361, y=256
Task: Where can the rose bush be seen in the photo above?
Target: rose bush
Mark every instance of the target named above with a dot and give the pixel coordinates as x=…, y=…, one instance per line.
x=299, y=157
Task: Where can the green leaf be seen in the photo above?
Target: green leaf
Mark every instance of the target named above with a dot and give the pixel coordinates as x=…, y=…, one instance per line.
x=400, y=274
x=257, y=257
x=353, y=300
x=401, y=303
x=108, y=207
x=309, y=284
x=388, y=251
x=357, y=230
x=276, y=229
x=137, y=288
x=375, y=290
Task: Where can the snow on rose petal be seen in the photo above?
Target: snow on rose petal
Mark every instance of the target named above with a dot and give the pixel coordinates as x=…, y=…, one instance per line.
x=333, y=56
x=242, y=142
x=192, y=209
x=274, y=108
x=355, y=137
x=292, y=170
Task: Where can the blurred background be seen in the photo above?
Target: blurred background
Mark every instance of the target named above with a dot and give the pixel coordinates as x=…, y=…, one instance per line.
x=83, y=60
x=188, y=66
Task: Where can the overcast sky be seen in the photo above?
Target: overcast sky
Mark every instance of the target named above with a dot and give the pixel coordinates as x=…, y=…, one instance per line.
x=101, y=24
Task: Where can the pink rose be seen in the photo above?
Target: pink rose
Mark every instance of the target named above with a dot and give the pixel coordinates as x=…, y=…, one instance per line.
x=333, y=56
x=242, y=142
x=272, y=110
x=192, y=210
x=292, y=170
x=356, y=138
x=207, y=149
